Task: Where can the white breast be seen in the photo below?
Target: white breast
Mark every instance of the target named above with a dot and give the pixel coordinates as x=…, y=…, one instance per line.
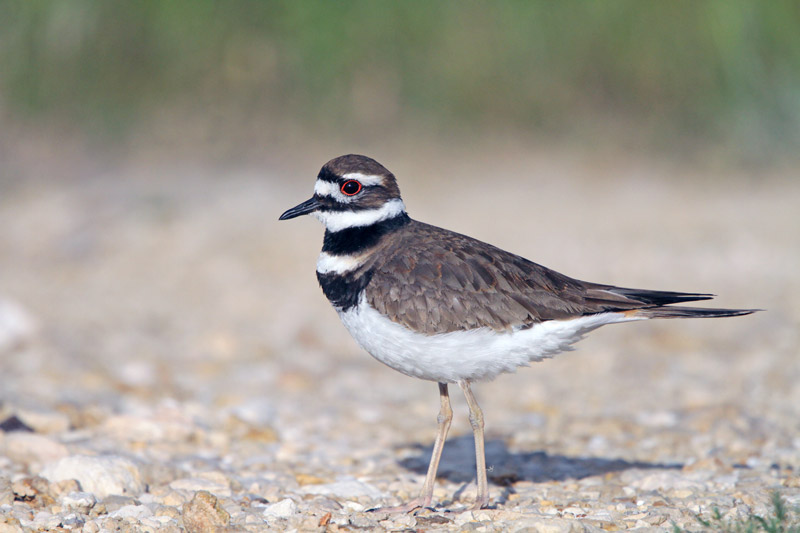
x=478, y=354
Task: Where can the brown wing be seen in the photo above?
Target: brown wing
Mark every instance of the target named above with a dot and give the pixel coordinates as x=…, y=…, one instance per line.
x=452, y=282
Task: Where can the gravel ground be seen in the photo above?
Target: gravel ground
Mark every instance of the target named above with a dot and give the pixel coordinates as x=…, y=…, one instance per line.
x=167, y=361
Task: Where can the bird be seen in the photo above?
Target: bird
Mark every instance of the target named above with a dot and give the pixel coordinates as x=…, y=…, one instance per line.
x=444, y=307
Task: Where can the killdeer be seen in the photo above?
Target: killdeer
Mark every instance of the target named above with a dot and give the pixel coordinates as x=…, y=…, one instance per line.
x=441, y=306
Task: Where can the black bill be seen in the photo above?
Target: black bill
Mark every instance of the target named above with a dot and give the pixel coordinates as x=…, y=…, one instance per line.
x=305, y=208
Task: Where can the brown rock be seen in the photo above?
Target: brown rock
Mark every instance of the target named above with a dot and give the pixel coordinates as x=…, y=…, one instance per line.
x=64, y=487
x=792, y=481
x=308, y=479
x=204, y=513
x=33, y=489
x=242, y=429
x=11, y=526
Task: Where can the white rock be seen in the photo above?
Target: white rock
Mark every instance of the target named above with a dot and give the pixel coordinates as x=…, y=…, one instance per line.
x=132, y=511
x=282, y=509
x=353, y=506
x=137, y=373
x=30, y=448
x=258, y=412
x=45, y=521
x=658, y=419
x=340, y=519
x=149, y=524
x=81, y=501
x=601, y=514
x=792, y=500
x=547, y=525
x=71, y=521
x=345, y=487
x=102, y=476
x=16, y=324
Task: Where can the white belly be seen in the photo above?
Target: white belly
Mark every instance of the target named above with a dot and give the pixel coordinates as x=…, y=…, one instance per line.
x=478, y=354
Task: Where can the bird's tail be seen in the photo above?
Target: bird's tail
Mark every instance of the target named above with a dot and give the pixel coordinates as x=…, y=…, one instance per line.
x=689, y=312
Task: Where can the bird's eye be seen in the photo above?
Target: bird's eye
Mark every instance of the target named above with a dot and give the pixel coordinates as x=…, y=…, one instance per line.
x=351, y=187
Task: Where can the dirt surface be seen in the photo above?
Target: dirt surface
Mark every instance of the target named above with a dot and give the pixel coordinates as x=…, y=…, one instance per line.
x=168, y=360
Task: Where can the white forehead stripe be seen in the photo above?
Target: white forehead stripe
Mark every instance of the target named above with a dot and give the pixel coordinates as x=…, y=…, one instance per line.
x=365, y=179
x=326, y=188
x=338, y=264
x=339, y=220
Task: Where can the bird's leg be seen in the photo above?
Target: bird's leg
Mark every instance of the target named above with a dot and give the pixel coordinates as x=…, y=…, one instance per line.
x=443, y=425
x=476, y=419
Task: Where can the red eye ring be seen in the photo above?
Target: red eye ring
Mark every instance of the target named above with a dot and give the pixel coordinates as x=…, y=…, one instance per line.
x=351, y=187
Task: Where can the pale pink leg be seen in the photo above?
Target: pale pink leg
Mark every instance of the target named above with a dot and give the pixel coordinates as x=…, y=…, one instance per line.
x=476, y=419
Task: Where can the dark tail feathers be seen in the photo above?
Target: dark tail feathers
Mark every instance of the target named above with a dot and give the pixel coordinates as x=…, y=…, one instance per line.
x=659, y=297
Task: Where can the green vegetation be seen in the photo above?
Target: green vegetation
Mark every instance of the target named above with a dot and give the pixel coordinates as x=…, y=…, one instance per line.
x=782, y=520
x=724, y=71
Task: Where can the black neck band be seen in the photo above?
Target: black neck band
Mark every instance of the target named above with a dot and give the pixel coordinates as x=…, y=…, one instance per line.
x=351, y=241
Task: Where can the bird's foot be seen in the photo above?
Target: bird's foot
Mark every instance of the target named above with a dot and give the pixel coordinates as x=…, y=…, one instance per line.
x=479, y=507
x=481, y=503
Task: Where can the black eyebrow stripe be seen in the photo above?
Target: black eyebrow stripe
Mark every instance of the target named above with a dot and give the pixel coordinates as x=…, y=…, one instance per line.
x=327, y=175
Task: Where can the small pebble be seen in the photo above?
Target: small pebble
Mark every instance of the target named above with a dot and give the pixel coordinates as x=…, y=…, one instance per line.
x=79, y=501
x=282, y=509
x=132, y=511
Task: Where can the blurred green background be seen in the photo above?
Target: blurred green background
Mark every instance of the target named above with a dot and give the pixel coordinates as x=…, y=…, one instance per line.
x=228, y=78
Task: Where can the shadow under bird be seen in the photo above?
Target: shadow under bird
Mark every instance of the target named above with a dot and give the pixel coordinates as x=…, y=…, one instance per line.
x=441, y=306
